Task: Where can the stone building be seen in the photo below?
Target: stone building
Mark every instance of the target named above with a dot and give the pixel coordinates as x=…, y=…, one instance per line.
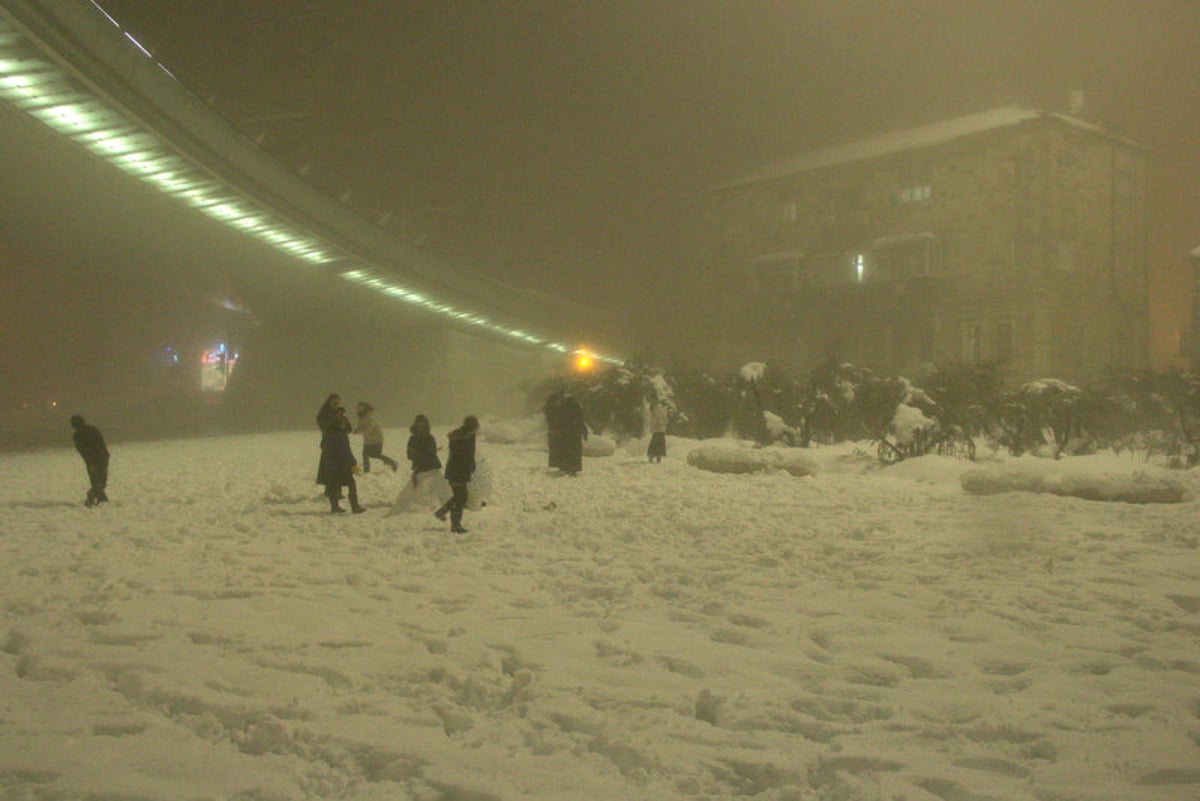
x=1014, y=235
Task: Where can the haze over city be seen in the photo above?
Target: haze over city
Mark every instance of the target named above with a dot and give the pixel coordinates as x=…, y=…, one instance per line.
x=563, y=147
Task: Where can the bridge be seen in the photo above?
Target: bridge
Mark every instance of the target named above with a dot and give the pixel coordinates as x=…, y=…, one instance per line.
x=104, y=147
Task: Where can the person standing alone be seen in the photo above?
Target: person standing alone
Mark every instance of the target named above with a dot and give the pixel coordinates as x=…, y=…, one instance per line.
x=658, y=431
x=90, y=444
x=460, y=466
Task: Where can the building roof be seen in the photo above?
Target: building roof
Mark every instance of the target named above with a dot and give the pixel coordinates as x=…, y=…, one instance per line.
x=910, y=139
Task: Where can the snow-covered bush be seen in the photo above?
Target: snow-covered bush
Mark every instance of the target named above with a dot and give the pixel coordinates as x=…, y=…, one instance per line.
x=770, y=405
x=1042, y=416
x=1155, y=413
x=970, y=396
x=827, y=412
x=904, y=421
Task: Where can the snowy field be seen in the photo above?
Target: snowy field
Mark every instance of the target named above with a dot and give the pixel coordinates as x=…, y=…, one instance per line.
x=640, y=632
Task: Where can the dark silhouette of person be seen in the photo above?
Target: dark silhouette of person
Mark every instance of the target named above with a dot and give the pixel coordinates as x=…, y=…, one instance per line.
x=658, y=431
x=422, y=448
x=570, y=431
x=460, y=466
x=90, y=444
x=336, y=468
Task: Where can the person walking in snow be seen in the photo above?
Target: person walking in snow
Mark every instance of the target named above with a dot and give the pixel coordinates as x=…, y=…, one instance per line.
x=372, y=434
x=90, y=444
x=460, y=466
x=337, y=465
x=657, y=420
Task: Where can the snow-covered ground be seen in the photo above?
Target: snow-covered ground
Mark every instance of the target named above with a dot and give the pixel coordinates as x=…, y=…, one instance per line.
x=640, y=632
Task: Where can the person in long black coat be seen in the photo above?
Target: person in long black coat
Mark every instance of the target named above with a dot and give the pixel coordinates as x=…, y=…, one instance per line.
x=460, y=466
x=336, y=468
x=570, y=430
x=90, y=444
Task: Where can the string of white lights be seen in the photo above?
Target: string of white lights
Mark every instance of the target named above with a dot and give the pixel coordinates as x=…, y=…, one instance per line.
x=48, y=93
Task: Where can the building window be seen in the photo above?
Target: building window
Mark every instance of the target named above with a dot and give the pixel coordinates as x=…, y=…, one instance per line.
x=900, y=257
x=790, y=213
x=972, y=342
x=1004, y=341
x=860, y=267
x=916, y=193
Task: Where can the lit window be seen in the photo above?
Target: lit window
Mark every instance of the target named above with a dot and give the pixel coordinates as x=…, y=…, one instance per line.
x=860, y=266
x=916, y=194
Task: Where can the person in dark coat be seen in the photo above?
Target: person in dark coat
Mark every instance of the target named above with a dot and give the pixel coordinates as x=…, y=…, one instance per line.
x=336, y=468
x=90, y=444
x=460, y=465
x=657, y=420
x=422, y=448
x=570, y=430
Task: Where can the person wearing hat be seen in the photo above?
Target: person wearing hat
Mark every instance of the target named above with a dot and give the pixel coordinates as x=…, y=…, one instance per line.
x=90, y=444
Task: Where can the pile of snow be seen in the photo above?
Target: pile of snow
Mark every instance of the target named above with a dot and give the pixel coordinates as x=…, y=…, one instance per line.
x=735, y=457
x=522, y=431
x=1094, y=478
x=599, y=445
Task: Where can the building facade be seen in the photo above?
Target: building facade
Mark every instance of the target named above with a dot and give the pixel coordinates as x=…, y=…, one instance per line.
x=1011, y=235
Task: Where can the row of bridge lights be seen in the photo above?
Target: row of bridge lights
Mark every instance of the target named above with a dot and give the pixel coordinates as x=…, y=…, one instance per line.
x=42, y=90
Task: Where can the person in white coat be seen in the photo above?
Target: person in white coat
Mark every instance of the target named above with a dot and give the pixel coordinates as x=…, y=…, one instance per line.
x=372, y=436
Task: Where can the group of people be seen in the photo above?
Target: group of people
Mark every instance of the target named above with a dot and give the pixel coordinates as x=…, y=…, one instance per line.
x=566, y=430
x=337, y=466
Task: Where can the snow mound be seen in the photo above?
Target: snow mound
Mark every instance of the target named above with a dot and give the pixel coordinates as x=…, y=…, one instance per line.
x=521, y=431
x=599, y=445
x=733, y=458
x=1078, y=477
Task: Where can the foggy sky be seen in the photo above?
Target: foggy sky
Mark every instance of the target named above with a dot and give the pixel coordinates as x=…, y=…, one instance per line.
x=559, y=144
x=554, y=143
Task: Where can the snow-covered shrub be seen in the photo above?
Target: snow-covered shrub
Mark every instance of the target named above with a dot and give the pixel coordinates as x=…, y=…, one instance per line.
x=770, y=405
x=1156, y=413
x=904, y=421
x=826, y=406
x=970, y=396
x=1041, y=415
x=704, y=403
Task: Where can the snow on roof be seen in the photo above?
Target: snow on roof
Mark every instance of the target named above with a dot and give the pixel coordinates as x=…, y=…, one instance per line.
x=910, y=139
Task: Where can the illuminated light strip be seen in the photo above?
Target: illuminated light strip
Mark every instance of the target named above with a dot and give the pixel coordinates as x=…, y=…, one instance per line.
x=43, y=90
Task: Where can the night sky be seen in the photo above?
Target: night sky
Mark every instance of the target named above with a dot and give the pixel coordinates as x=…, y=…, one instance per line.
x=559, y=145
x=555, y=143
